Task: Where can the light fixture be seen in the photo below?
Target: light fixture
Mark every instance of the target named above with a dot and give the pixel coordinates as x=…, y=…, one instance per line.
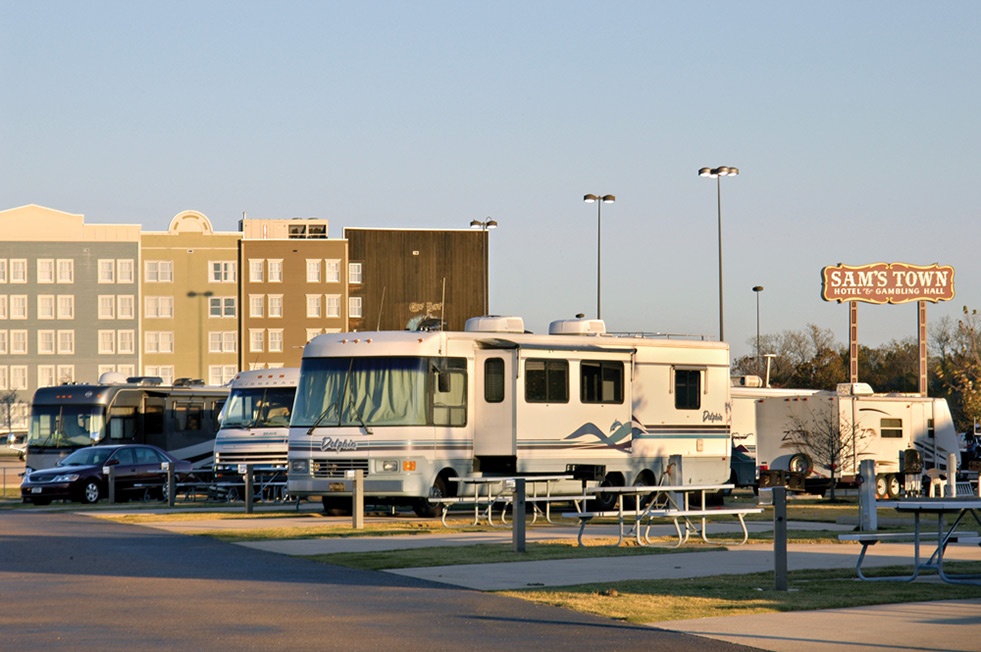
x=717, y=174
x=600, y=200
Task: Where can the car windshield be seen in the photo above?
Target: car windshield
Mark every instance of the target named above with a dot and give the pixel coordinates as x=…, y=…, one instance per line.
x=93, y=456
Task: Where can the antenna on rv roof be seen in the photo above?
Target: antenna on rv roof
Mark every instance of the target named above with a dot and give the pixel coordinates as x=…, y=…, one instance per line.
x=442, y=308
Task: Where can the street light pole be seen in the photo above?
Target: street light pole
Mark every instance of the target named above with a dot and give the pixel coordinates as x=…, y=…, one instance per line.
x=757, y=289
x=717, y=174
x=600, y=200
x=484, y=226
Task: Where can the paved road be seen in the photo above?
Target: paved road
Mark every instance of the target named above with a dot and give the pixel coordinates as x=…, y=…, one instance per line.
x=73, y=582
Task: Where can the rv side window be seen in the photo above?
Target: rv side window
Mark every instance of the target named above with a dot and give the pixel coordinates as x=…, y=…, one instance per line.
x=122, y=423
x=687, y=389
x=891, y=428
x=930, y=428
x=601, y=382
x=494, y=380
x=547, y=381
x=188, y=416
x=449, y=392
x=153, y=416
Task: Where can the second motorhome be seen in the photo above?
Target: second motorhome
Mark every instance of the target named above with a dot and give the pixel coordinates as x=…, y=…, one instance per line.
x=418, y=411
x=884, y=428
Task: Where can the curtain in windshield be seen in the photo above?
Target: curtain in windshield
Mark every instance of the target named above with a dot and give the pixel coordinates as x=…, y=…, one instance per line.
x=362, y=391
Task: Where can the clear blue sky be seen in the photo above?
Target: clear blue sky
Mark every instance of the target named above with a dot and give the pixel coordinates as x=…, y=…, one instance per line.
x=855, y=126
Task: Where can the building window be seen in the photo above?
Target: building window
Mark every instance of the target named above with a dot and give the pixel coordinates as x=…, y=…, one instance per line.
x=354, y=272
x=66, y=270
x=66, y=342
x=107, y=342
x=18, y=306
x=314, y=306
x=3, y=306
x=222, y=271
x=256, y=340
x=46, y=376
x=256, y=304
x=66, y=306
x=255, y=270
x=107, y=306
x=354, y=306
x=45, y=342
x=18, y=342
x=221, y=306
x=4, y=382
x=18, y=377
x=159, y=271
x=107, y=271
x=126, y=342
x=127, y=270
x=313, y=270
x=333, y=274
x=18, y=271
x=222, y=341
x=275, y=305
x=546, y=381
x=126, y=306
x=158, y=342
x=45, y=270
x=45, y=306
x=66, y=373
x=276, y=340
x=333, y=305
x=221, y=374
x=159, y=307
x=601, y=382
x=164, y=372
x=687, y=389
x=3, y=342
x=313, y=332
x=3, y=270
x=214, y=342
x=275, y=271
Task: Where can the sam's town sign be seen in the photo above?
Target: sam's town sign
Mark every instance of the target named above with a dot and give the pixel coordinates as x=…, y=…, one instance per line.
x=888, y=283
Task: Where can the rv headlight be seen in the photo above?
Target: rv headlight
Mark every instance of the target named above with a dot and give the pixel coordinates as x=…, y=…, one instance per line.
x=299, y=466
x=390, y=466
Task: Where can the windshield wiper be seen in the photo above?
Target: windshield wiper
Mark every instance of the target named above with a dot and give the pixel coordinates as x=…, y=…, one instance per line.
x=321, y=417
x=357, y=413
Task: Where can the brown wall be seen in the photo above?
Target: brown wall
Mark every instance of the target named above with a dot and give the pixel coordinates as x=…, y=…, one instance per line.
x=408, y=268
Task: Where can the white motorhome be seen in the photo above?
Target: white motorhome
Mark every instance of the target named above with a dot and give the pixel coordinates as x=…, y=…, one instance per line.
x=255, y=425
x=414, y=410
x=885, y=427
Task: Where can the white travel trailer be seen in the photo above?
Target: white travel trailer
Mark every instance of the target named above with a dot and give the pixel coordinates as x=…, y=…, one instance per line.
x=884, y=425
x=414, y=410
x=255, y=425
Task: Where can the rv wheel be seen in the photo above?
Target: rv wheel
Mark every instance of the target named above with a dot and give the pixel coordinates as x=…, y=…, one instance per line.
x=893, y=488
x=881, y=487
x=800, y=463
x=426, y=509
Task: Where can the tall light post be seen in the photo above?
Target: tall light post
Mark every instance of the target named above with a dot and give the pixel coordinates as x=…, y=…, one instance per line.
x=757, y=289
x=600, y=200
x=717, y=174
x=484, y=225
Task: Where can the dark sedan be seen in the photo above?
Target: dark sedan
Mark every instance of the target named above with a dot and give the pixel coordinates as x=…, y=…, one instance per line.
x=138, y=469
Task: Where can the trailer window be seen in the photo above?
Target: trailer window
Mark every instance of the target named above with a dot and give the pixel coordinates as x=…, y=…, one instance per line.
x=494, y=380
x=153, y=416
x=122, y=423
x=687, y=389
x=449, y=391
x=891, y=428
x=188, y=416
x=601, y=382
x=546, y=381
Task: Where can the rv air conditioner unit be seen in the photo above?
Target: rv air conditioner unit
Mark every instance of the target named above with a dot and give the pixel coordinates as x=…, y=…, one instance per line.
x=577, y=327
x=495, y=324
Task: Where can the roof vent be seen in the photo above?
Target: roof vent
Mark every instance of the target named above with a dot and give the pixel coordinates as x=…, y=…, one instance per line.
x=495, y=324
x=577, y=327
x=855, y=389
x=112, y=378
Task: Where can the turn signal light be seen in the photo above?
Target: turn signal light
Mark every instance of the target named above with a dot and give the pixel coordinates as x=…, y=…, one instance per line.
x=408, y=465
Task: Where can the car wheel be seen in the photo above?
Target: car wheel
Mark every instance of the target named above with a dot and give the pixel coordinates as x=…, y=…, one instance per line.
x=91, y=492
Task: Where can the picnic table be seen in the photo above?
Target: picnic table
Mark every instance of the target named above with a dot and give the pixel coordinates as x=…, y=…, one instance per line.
x=941, y=507
x=663, y=502
x=489, y=490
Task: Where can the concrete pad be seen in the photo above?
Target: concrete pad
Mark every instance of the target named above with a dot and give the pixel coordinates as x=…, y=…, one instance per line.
x=951, y=626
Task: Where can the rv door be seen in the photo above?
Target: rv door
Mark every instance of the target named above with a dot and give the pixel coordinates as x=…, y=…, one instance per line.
x=494, y=427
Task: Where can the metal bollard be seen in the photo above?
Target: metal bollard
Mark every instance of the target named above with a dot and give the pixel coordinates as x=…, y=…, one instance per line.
x=171, y=486
x=952, y=475
x=867, y=516
x=357, y=500
x=249, y=498
x=780, y=538
x=518, y=516
x=110, y=472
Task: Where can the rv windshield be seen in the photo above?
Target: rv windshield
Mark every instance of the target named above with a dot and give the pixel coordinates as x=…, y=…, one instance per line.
x=259, y=407
x=66, y=426
x=362, y=391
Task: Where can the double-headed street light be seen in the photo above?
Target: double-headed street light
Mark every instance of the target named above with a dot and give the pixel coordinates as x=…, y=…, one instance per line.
x=757, y=289
x=717, y=174
x=600, y=200
x=484, y=225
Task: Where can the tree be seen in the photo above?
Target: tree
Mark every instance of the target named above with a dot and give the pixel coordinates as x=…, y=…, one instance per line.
x=958, y=366
x=827, y=438
x=8, y=401
x=808, y=358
